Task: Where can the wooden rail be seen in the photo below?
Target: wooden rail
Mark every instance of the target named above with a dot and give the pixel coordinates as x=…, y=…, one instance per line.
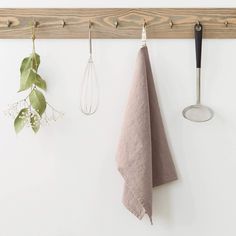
x=117, y=23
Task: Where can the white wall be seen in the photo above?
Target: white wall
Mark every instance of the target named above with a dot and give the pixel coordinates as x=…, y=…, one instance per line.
x=63, y=181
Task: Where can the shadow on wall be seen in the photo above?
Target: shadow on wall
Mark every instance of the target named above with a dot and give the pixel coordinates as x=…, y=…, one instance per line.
x=167, y=198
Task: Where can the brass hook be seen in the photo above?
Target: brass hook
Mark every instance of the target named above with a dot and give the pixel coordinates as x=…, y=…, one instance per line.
x=171, y=24
x=198, y=25
x=35, y=24
x=63, y=23
x=226, y=23
x=144, y=23
x=144, y=33
x=116, y=24
x=9, y=23
x=90, y=24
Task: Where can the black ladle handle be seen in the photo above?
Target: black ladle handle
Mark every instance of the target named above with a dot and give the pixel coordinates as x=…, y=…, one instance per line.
x=198, y=43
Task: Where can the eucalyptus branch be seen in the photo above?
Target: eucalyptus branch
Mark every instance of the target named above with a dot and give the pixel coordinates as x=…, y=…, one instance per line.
x=31, y=111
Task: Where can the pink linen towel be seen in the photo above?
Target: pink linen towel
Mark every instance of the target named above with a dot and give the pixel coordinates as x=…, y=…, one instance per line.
x=144, y=159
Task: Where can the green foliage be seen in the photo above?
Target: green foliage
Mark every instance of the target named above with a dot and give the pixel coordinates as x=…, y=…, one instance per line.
x=30, y=79
x=29, y=75
x=31, y=62
x=37, y=101
x=34, y=122
x=21, y=120
x=38, y=81
x=27, y=79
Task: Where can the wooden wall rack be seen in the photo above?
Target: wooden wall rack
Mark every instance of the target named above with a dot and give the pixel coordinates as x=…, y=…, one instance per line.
x=120, y=23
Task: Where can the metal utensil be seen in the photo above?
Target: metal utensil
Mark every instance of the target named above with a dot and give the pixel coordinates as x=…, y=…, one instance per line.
x=198, y=112
x=89, y=100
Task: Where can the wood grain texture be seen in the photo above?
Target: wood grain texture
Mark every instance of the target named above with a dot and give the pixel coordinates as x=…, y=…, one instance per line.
x=130, y=21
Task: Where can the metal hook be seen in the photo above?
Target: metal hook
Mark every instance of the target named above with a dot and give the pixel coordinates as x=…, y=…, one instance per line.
x=144, y=33
x=144, y=24
x=35, y=24
x=171, y=24
x=226, y=23
x=198, y=25
x=63, y=23
x=9, y=23
x=90, y=24
x=116, y=24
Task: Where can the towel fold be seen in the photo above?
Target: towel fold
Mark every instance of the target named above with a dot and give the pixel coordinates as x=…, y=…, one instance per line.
x=144, y=159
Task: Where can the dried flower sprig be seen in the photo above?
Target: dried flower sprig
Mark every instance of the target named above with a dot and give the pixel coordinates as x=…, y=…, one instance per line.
x=31, y=111
x=50, y=114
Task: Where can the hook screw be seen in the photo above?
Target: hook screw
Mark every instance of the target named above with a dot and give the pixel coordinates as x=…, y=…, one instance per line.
x=63, y=23
x=35, y=24
x=226, y=23
x=171, y=24
x=9, y=23
x=90, y=24
x=116, y=24
x=144, y=23
x=198, y=26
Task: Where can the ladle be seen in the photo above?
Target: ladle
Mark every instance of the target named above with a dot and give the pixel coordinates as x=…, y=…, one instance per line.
x=198, y=112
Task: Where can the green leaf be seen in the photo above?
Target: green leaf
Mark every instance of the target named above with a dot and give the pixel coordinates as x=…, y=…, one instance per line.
x=20, y=120
x=26, y=64
x=27, y=79
x=35, y=61
x=38, y=81
x=34, y=122
x=38, y=101
x=31, y=62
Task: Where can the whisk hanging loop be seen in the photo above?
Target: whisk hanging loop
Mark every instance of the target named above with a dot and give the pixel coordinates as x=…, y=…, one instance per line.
x=90, y=40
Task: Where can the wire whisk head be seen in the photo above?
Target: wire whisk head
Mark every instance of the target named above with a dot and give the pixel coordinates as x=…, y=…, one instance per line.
x=90, y=92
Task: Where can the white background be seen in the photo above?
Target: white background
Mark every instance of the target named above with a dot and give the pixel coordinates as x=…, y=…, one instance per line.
x=63, y=181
